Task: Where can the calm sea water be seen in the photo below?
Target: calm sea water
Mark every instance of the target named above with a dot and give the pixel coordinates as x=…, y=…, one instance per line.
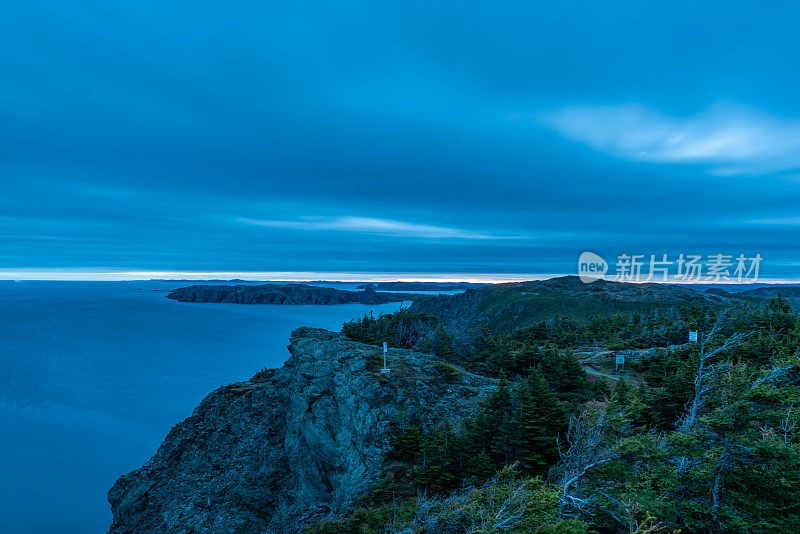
x=94, y=374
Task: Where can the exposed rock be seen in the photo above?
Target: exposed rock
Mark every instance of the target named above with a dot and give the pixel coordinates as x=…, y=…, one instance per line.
x=283, y=294
x=304, y=442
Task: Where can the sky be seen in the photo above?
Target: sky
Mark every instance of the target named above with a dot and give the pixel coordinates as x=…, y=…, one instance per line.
x=464, y=140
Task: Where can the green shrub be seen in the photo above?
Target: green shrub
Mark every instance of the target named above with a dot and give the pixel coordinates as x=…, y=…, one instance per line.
x=449, y=373
x=264, y=375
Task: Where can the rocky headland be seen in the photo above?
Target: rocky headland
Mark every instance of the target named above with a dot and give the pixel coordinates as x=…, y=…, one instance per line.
x=283, y=294
x=291, y=445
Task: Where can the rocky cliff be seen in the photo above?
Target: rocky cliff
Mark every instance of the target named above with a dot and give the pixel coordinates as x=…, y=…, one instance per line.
x=283, y=294
x=290, y=445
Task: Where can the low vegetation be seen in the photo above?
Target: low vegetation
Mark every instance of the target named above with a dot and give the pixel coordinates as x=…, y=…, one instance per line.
x=402, y=329
x=705, y=440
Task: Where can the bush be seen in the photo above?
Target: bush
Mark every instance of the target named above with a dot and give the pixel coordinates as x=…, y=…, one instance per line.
x=264, y=375
x=504, y=504
x=402, y=329
x=449, y=373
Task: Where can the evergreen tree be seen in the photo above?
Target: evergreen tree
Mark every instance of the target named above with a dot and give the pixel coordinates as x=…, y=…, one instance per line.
x=542, y=419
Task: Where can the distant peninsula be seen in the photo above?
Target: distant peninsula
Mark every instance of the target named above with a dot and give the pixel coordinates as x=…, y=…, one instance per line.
x=421, y=286
x=283, y=294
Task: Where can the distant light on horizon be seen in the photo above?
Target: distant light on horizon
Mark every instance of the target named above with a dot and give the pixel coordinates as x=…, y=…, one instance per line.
x=67, y=275
x=286, y=276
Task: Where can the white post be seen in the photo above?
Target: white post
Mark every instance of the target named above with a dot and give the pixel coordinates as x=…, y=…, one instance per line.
x=385, y=369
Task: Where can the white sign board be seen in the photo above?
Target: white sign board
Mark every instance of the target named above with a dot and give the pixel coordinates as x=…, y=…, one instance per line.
x=692, y=336
x=620, y=359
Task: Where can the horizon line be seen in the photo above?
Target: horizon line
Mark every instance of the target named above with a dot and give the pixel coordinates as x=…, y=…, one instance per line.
x=111, y=275
x=101, y=275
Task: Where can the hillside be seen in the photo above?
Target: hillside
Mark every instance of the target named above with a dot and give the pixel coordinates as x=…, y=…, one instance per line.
x=700, y=437
x=773, y=291
x=421, y=286
x=518, y=305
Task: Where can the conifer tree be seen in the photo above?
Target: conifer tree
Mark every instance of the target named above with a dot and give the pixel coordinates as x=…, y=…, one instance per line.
x=542, y=419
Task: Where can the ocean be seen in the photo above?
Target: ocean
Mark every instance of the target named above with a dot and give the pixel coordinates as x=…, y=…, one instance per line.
x=94, y=374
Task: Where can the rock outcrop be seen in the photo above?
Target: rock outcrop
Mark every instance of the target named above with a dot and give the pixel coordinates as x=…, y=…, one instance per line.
x=291, y=445
x=283, y=294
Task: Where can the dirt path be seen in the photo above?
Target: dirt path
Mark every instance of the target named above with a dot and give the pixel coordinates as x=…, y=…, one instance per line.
x=595, y=372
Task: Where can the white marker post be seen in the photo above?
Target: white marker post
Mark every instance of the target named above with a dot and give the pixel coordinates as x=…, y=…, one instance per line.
x=385, y=369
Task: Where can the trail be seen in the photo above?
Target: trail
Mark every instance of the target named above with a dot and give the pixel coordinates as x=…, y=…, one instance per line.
x=595, y=372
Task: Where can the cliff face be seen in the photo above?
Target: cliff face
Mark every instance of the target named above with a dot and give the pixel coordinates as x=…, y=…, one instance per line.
x=283, y=294
x=272, y=453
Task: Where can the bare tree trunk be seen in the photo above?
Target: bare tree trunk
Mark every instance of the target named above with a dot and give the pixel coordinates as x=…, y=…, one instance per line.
x=788, y=425
x=705, y=371
x=719, y=479
x=565, y=495
x=588, y=448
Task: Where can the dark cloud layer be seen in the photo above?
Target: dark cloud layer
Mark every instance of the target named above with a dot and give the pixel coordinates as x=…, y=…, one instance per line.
x=467, y=137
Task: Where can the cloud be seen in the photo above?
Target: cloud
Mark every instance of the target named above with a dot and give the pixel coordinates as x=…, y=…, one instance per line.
x=779, y=221
x=372, y=226
x=729, y=140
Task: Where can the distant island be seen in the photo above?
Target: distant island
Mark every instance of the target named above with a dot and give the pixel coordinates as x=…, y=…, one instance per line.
x=421, y=286
x=283, y=294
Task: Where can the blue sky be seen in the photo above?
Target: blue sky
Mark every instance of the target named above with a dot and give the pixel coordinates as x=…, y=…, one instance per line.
x=461, y=138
